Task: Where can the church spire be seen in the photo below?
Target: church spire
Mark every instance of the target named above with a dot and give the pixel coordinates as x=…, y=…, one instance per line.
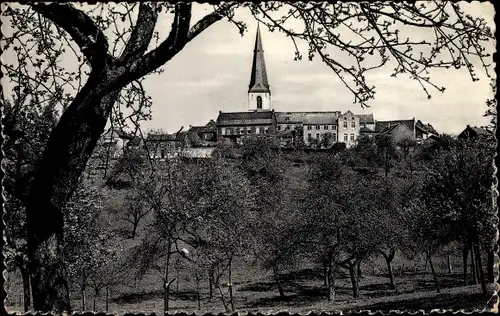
x=258, y=79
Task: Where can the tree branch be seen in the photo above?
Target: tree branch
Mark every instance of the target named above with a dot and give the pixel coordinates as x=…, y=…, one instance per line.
x=141, y=34
x=80, y=27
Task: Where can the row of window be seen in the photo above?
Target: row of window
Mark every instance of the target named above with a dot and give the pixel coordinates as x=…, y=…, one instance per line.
x=288, y=127
x=243, y=130
x=334, y=137
x=333, y=127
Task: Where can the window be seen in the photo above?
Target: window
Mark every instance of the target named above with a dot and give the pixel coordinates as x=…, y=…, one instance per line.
x=266, y=130
x=345, y=137
x=162, y=153
x=317, y=136
x=279, y=127
x=318, y=127
x=287, y=127
x=334, y=137
x=345, y=124
x=249, y=130
x=242, y=131
x=309, y=136
x=325, y=127
x=353, y=124
x=259, y=102
x=334, y=127
x=352, y=137
x=309, y=127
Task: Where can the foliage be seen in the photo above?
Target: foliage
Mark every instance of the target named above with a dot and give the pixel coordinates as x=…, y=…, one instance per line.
x=458, y=193
x=90, y=247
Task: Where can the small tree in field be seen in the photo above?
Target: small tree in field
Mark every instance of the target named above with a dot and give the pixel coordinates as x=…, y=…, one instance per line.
x=228, y=205
x=92, y=250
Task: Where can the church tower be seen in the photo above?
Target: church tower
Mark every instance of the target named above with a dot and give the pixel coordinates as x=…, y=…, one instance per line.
x=259, y=94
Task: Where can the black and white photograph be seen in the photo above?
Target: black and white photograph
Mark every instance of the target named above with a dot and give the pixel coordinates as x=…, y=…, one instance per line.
x=249, y=157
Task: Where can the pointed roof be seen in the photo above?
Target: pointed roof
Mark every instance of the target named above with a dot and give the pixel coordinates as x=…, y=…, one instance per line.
x=258, y=78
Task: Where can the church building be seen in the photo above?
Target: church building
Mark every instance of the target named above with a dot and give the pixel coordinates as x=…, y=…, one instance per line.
x=310, y=127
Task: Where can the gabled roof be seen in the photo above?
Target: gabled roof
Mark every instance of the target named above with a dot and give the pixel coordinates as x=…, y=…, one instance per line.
x=321, y=118
x=364, y=129
x=245, y=118
x=473, y=131
x=428, y=128
x=381, y=125
x=290, y=117
x=258, y=78
x=202, y=129
x=366, y=118
x=328, y=117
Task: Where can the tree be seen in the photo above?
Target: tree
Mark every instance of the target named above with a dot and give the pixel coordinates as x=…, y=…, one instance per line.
x=228, y=211
x=25, y=132
x=112, y=66
x=91, y=250
x=395, y=199
x=458, y=197
x=338, y=216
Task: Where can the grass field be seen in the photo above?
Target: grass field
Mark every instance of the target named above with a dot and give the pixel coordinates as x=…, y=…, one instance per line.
x=255, y=290
x=303, y=288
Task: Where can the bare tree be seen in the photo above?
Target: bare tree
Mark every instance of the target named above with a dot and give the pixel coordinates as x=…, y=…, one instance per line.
x=111, y=44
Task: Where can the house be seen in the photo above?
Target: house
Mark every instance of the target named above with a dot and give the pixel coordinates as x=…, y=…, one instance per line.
x=162, y=145
x=320, y=128
x=233, y=125
x=471, y=132
x=207, y=132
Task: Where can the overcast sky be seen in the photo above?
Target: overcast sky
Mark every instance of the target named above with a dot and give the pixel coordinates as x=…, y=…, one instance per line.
x=212, y=74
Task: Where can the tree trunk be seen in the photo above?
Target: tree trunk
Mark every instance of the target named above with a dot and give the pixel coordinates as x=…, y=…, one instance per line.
x=210, y=284
x=166, y=283
x=353, y=268
x=95, y=296
x=465, y=252
x=331, y=280
x=82, y=291
x=479, y=265
x=473, y=265
x=47, y=273
x=26, y=288
x=231, y=298
x=325, y=274
x=450, y=268
x=65, y=156
x=107, y=299
x=491, y=267
x=391, y=273
x=278, y=282
x=436, y=281
x=359, y=270
x=388, y=261
x=222, y=296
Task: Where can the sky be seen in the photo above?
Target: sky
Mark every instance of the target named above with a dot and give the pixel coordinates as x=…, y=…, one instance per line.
x=212, y=74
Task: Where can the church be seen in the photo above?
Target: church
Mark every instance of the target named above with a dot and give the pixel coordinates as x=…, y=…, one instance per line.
x=313, y=128
x=321, y=129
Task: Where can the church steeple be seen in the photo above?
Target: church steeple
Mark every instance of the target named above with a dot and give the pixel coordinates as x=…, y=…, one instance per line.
x=259, y=94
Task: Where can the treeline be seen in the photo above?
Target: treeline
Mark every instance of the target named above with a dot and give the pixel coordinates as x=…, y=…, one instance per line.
x=383, y=198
